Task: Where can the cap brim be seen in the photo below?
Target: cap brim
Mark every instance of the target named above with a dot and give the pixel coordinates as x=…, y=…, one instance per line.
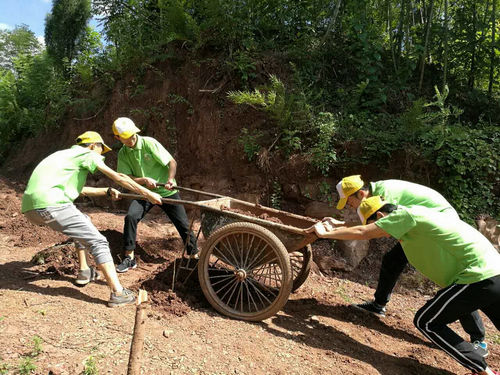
x=127, y=135
x=342, y=203
x=105, y=148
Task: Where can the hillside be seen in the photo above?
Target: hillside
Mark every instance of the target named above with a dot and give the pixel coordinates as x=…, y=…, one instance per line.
x=317, y=331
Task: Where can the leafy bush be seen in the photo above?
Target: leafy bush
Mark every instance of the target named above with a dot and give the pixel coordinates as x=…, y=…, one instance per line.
x=323, y=152
x=250, y=143
x=289, y=113
x=468, y=162
x=32, y=98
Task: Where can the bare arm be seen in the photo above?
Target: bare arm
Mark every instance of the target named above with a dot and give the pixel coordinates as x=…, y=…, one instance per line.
x=129, y=184
x=88, y=191
x=339, y=223
x=359, y=232
x=171, y=174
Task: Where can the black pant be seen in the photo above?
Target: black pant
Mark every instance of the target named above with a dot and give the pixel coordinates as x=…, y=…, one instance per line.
x=175, y=212
x=451, y=303
x=393, y=265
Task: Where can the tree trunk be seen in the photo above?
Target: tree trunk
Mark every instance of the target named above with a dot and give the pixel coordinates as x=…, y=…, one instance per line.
x=392, y=38
x=400, y=28
x=492, y=53
x=472, y=70
x=424, y=55
x=331, y=25
x=445, y=42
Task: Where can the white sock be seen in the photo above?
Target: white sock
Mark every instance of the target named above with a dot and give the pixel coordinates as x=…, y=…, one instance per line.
x=119, y=290
x=489, y=371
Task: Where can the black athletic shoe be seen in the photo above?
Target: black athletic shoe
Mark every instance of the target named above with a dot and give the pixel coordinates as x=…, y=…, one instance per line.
x=371, y=307
x=481, y=348
x=127, y=263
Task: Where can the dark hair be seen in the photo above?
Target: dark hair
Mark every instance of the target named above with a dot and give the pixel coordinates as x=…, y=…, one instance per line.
x=88, y=144
x=366, y=187
x=386, y=208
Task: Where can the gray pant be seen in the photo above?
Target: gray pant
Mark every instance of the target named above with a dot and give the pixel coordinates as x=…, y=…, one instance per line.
x=69, y=220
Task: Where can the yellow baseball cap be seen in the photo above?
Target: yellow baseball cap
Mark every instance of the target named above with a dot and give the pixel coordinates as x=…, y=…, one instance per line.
x=125, y=127
x=92, y=137
x=347, y=187
x=369, y=206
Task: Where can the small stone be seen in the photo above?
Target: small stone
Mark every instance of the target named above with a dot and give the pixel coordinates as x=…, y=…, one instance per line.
x=314, y=319
x=167, y=333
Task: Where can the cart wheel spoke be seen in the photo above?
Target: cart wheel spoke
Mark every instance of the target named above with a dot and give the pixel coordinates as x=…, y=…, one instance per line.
x=244, y=271
x=221, y=255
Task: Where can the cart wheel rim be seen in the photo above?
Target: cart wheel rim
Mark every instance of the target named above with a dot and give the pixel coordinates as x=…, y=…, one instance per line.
x=245, y=271
x=300, y=261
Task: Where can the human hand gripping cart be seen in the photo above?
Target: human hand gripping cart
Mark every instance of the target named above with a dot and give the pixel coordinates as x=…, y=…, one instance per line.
x=254, y=256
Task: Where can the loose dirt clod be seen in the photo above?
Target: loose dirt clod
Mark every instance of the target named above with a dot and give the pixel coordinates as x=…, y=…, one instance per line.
x=264, y=216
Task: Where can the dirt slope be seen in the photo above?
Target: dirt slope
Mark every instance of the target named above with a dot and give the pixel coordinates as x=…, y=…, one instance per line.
x=316, y=333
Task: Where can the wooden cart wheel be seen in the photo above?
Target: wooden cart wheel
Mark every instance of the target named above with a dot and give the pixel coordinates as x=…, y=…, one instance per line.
x=244, y=271
x=300, y=261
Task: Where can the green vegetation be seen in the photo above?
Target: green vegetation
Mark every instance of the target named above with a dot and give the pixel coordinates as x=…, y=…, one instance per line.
x=4, y=368
x=495, y=339
x=37, y=346
x=90, y=367
x=26, y=366
x=409, y=88
x=250, y=143
x=65, y=31
x=343, y=293
x=26, y=363
x=276, y=195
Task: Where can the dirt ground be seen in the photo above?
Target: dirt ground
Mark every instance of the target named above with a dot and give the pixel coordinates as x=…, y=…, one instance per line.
x=317, y=332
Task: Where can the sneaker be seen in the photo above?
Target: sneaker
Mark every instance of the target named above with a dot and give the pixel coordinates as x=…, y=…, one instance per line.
x=126, y=264
x=127, y=297
x=371, y=307
x=86, y=276
x=481, y=348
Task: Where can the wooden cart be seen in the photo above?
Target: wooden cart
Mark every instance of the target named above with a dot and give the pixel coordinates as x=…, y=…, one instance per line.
x=254, y=256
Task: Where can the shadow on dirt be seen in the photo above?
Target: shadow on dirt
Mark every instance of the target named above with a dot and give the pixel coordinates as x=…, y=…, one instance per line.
x=175, y=297
x=304, y=308
x=155, y=260
x=155, y=254
x=328, y=338
x=19, y=276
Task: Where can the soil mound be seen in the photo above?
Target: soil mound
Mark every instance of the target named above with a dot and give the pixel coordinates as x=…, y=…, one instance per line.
x=60, y=260
x=21, y=233
x=177, y=297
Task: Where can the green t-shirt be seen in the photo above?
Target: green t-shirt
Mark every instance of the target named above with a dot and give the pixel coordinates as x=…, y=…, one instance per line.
x=446, y=251
x=59, y=178
x=148, y=158
x=409, y=194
